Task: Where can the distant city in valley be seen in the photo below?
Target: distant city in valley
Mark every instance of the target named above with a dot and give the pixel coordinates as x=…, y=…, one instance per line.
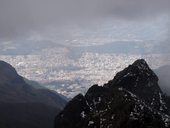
x=72, y=70
x=74, y=58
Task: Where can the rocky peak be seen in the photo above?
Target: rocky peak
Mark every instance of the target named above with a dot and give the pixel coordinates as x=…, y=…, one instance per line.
x=144, y=69
x=132, y=99
x=140, y=80
x=139, y=73
x=137, y=78
x=141, y=63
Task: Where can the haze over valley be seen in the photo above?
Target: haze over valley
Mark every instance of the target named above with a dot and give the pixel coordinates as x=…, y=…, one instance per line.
x=84, y=64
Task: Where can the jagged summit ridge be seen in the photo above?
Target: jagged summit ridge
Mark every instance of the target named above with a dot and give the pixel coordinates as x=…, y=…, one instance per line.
x=141, y=63
x=141, y=81
x=132, y=99
x=139, y=73
x=144, y=68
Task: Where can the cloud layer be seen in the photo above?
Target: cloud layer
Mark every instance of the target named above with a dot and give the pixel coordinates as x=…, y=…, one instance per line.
x=18, y=17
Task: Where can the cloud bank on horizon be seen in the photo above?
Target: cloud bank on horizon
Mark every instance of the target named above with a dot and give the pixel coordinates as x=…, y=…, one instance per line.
x=20, y=17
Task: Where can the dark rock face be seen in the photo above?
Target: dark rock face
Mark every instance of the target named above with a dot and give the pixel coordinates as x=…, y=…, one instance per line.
x=23, y=106
x=79, y=107
x=132, y=99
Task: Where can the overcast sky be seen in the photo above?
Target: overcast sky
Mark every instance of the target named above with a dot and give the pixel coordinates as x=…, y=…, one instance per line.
x=18, y=18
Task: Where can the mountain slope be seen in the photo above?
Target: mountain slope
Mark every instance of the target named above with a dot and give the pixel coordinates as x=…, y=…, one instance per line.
x=22, y=105
x=132, y=99
x=164, y=75
x=50, y=96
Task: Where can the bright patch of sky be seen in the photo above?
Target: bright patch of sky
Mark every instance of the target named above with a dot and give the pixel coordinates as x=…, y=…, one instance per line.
x=106, y=31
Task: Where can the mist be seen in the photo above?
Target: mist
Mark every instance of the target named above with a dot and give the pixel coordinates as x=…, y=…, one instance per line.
x=21, y=17
x=56, y=21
